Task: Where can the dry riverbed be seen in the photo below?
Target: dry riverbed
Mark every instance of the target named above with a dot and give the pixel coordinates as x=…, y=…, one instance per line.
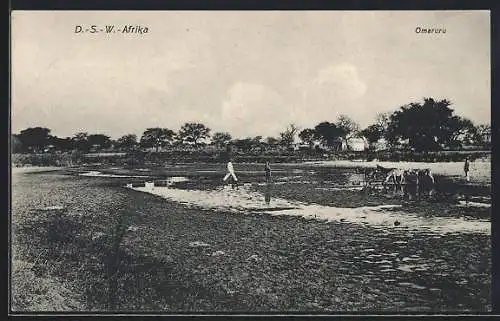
x=108, y=247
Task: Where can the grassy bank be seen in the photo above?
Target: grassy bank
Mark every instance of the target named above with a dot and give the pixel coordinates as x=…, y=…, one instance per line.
x=175, y=157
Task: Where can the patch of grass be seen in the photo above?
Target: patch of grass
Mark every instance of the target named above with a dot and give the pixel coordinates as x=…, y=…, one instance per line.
x=31, y=292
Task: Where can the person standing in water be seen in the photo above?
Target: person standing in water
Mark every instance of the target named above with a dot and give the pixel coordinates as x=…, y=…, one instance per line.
x=466, y=169
x=267, y=169
x=230, y=172
x=267, y=194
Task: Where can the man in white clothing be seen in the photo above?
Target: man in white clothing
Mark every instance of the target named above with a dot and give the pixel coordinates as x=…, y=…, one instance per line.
x=230, y=172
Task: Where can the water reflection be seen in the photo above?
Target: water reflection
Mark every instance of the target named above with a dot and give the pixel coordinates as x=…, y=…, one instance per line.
x=268, y=191
x=351, y=177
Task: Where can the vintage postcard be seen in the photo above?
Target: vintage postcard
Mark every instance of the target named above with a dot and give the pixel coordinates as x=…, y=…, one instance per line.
x=244, y=162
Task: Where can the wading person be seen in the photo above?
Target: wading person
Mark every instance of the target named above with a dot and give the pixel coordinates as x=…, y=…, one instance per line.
x=267, y=169
x=230, y=172
x=466, y=169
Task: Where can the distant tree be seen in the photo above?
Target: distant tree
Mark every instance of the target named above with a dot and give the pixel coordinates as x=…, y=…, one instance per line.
x=99, y=141
x=157, y=137
x=62, y=144
x=272, y=141
x=193, y=133
x=383, y=120
x=373, y=133
x=221, y=139
x=287, y=137
x=15, y=144
x=348, y=127
x=34, y=139
x=126, y=142
x=482, y=136
x=81, y=142
x=257, y=143
x=257, y=139
x=244, y=144
x=65, y=144
x=458, y=132
x=308, y=136
x=328, y=133
x=427, y=127
x=249, y=143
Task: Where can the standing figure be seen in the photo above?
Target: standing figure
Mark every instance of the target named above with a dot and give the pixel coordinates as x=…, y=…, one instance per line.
x=466, y=169
x=230, y=172
x=267, y=169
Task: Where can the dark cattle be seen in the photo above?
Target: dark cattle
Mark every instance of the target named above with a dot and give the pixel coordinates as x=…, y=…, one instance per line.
x=426, y=182
x=411, y=183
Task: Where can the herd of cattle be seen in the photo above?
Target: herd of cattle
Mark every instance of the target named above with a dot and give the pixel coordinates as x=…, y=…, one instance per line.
x=410, y=182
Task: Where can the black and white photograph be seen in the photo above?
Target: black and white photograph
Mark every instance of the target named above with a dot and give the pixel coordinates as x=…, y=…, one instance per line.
x=250, y=162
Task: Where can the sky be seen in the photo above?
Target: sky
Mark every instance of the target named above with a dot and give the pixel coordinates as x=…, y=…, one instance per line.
x=248, y=73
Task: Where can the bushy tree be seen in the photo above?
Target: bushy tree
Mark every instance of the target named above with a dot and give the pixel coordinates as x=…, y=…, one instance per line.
x=249, y=143
x=221, y=139
x=383, y=120
x=427, y=127
x=244, y=144
x=126, y=142
x=348, y=127
x=81, y=142
x=99, y=141
x=287, y=137
x=328, y=133
x=62, y=144
x=193, y=133
x=373, y=133
x=34, y=139
x=272, y=141
x=460, y=131
x=482, y=136
x=157, y=137
x=308, y=136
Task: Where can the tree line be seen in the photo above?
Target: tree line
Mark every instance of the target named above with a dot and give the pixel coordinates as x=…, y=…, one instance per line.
x=430, y=125
x=427, y=126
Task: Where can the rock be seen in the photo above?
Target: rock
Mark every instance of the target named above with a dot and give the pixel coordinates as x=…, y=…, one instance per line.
x=198, y=244
x=218, y=253
x=254, y=257
x=132, y=228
